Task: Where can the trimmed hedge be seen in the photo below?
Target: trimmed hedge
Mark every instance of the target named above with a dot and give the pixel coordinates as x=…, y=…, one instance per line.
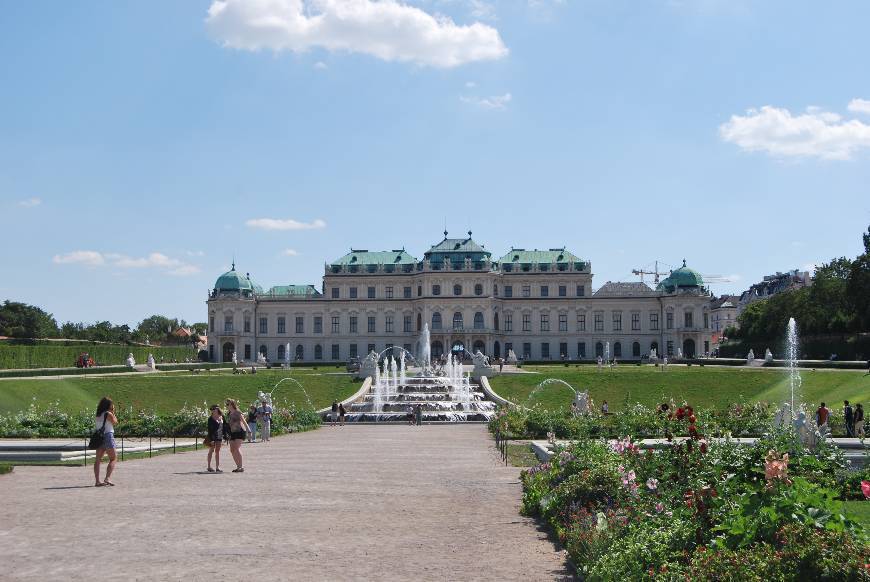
x=17, y=354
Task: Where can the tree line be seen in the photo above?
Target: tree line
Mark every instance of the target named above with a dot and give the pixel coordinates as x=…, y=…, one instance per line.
x=23, y=321
x=837, y=302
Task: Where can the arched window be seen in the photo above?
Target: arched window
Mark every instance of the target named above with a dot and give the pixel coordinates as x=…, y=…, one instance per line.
x=436, y=320
x=264, y=351
x=617, y=350
x=635, y=350
x=300, y=352
x=419, y=322
x=479, y=346
x=437, y=349
x=318, y=352
x=478, y=320
x=457, y=289
x=281, y=352
x=654, y=346
x=478, y=289
x=495, y=323
x=457, y=320
x=599, y=350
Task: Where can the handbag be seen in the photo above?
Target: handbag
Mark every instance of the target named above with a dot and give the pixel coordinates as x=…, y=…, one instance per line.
x=98, y=436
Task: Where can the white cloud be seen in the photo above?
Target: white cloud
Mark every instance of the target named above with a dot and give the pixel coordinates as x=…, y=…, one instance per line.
x=30, y=202
x=470, y=85
x=195, y=253
x=320, y=66
x=481, y=9
x=859, y=106
x=494, y=102
x=386, y=29
x=809, y=267
x=284, y=224
x=815, y=133
x=152, y=261
x=89, y=258
x=290, y=253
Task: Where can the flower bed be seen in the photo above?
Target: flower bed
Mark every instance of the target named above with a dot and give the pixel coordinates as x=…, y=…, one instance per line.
x=699, y=510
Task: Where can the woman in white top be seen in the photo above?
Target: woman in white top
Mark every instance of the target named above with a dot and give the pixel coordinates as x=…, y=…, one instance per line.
x=105, y=419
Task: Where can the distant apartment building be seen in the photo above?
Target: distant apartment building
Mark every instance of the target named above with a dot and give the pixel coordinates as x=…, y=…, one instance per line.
x=723, y=314
x=774, y=284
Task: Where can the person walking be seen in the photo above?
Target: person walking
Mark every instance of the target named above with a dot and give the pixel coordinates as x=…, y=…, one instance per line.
x=333, y=416
x=849, y=418
x=238, y=428
x=215, y=438
x=264, y=420
x=822, y=415
x=252, y=422
x=105, y=421
x=341, y=413
x=859, y=421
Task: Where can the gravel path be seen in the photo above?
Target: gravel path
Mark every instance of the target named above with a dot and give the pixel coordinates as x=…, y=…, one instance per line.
x=352, y=503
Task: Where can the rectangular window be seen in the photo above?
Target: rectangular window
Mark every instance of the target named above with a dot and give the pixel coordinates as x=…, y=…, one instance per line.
x=318, y=352
x=247, y=324
x=670, y=348
x=688, y=319
x=335, y=292
x=406, y=324
x=211, y=351
x=419, y=290
x=211, y=324
x=581, y=322
x=353, y=351
x=581, y=290
x=527, y=290
x=371, y=348
x=545, y=291
x=508, y=291
x=581, y=350
x=654, y=321
x=336, y=324
x=563, y=291
x=527, y=351
x=635, y=322
x=563, y=322
x=508, y=322
x=706, y=348
x=228, y=323
x=599, y=322
x=318, y=324
x=353, y=324
x=706, y=320
x=247, y=351
x=264, y=325
x=527, y=322
x=563, y=350
x=300, y=324
x=545, y=351
x=335, y=353
x=508, y=346
x=545, y=322
x=389, y=292
x=669, y=320
x=353, y=294
x=436, y=289
x=617, y=321
x=371, y=292
x=282, y=325
x=388, y=327
x=406, y=292
x=371, y=328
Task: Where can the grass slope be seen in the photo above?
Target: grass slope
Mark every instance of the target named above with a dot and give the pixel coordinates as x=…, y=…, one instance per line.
x=170, y=391
x=706, y=387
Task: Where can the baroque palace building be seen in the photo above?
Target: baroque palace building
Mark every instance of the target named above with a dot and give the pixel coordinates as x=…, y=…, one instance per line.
x=538, y=303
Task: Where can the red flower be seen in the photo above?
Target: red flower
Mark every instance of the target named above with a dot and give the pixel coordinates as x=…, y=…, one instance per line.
x=703, y=447
x=692, y=418
x=680, y=413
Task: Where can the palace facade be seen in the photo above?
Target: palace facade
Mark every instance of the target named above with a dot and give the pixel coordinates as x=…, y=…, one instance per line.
x=538, y=303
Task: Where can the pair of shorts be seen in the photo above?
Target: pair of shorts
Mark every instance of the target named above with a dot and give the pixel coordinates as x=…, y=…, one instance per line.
x=238, y=435
x=108, y=440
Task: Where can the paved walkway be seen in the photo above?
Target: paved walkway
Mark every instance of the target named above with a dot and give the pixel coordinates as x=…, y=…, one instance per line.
x=352, y=503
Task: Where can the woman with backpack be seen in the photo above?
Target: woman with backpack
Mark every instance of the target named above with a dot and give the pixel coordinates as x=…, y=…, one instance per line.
x=104, y=423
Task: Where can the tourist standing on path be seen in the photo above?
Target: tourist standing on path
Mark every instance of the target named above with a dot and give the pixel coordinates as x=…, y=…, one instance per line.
x=419, y=414
x=341, y=413
x=334, y=415
x=238, y=428
x=105, y=420
x=604, y=408
x=822, y=415
x=859, y=421
x=849, y=417
x=252, y=423
x=215, y=438
x=264, y=420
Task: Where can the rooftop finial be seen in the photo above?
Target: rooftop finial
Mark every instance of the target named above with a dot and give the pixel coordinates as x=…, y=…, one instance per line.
x=684, y=262
x=469, y=234
x=234, y=263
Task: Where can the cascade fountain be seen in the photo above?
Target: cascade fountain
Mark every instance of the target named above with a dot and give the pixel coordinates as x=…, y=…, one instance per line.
x=791, y=356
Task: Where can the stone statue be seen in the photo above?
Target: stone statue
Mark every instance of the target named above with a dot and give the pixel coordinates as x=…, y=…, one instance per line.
x=806, y=430
x=768, y=356
x=783, y=418
x=130, y=361
x=369, y=366
x=261, y=358
x=481, y=366
x=581, y=403
x=511, y=357
x=151, y=364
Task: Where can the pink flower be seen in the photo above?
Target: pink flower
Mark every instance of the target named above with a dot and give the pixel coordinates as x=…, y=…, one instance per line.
x=660, y=507
x=865, y=488
x=652, y=484
x=631, y=476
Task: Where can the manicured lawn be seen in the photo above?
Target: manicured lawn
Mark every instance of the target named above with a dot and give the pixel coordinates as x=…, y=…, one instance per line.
x=5, y=468
x=521, y=455
x=858, y=511
x=705, y=387
x=168, y=392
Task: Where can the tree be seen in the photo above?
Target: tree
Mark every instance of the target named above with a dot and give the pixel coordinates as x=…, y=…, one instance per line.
x=858, y=288
x=21, y=320
x=156, y=328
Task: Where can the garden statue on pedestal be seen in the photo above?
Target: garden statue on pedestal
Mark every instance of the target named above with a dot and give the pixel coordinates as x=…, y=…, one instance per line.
x=807, y=430
x=131, y=361
x=581, y=403
x=768, y=356
x=369, y=366
x=511, y=357
x=235, y=360
x=783, y=417
x=750, y=357
x=481, y=366
x=151, y=364
x=261, y=358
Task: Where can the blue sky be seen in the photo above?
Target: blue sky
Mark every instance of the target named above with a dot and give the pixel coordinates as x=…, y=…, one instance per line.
x=142, y=144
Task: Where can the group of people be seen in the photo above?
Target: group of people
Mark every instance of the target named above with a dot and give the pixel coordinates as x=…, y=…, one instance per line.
x=853, y=418
x=338, y=413
x=231, y=427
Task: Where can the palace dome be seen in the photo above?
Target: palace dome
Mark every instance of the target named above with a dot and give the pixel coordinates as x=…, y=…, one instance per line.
x=232, y=280
x=682, y=278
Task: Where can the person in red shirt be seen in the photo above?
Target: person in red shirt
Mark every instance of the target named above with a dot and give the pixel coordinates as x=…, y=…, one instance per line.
x=822, y=415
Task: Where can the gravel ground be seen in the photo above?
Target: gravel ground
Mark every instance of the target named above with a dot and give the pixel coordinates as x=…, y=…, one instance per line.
x=351, y=503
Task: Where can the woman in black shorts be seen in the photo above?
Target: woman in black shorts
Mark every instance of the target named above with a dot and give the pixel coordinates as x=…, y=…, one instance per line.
x=215, y=438
x=238, y=431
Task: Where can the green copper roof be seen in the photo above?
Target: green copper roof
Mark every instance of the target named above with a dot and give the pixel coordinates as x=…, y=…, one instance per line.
x=232, y=280
x=295, y=291
x=364, y=257
x=462, y=246
x=536, y=256
x=682, y=278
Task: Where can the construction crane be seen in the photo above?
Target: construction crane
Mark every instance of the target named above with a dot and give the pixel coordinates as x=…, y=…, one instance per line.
x=715, y=279
x=655, y=273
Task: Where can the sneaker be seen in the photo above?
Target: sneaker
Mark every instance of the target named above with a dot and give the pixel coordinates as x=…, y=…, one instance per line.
x=210, y=470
